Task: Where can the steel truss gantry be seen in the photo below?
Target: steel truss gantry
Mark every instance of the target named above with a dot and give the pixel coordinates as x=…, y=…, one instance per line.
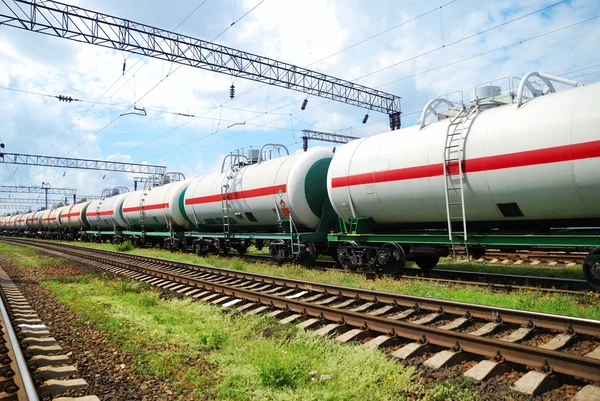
x=16, y=207
x=37, y=190
x=87, y=26
x=27, y=201
x=83, y=164
x=324, y=137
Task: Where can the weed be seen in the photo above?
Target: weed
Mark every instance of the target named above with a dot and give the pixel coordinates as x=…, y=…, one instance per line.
x=125, y=246
x=585, y=306
x=277, y=369
x=214, y=355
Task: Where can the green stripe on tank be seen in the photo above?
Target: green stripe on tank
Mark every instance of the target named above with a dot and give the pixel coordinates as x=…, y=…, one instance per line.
x=315, y=185
x=84, y=219
x=182, y=204
x=121, y=211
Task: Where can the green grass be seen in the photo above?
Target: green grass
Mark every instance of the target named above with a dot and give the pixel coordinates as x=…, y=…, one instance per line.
x=210, y=353
x=558, y=271
x=586, y=306
x=28, y=257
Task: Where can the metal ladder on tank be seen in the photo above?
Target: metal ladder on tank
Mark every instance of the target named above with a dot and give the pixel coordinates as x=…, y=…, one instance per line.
x=225, y=207
x=454, y=175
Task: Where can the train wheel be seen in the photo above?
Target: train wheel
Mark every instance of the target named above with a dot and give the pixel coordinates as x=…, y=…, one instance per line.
x=308, y=256
x=277, y=251
x=241, y=249
x=591, y=268
x=427, y=262
x=396, y=262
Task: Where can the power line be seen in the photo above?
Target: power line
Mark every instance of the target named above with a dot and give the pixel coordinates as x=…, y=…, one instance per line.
x=490, y=51
x=107, y=90
x=382, y=33
x=458, y=41
x=176, y=69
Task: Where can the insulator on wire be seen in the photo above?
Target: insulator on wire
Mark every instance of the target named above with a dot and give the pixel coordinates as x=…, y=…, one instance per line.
x=365, y=118
x=304, y=103
x=62, y=98
x=124, y=64
x=231, y=91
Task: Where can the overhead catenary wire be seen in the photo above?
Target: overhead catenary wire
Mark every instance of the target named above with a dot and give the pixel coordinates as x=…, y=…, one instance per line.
x=110, y=87
x=459, y=40
x=490, y=51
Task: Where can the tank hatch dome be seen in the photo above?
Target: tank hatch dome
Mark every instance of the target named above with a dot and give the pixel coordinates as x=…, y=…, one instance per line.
x=485, y=92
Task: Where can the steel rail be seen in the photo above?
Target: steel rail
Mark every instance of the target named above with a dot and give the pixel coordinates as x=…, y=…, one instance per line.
x=504, y=282
x=568, y=364
x=541, y=320
x=23, y=379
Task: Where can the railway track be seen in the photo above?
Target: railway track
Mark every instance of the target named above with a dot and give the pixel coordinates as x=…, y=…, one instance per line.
x=502, y=282
x=545, y=348
x=532, y=257
x=32, y=364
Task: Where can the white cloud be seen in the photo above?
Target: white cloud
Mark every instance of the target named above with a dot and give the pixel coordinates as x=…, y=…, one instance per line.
x=295, y=32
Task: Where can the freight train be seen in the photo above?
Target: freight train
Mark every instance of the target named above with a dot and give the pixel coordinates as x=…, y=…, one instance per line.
x=517, y=167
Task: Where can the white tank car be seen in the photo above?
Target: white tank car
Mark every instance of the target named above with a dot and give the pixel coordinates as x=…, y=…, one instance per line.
x=74, y=217
x=105, y=214
x=21, y=222
x=156, y=207
x=262, y=193
x=11, y=224
x=537, y=163
x=36, y=221
x=50, y=219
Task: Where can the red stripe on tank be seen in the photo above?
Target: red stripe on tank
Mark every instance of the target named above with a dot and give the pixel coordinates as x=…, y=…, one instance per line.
x=96, y=214
x=69, y=215
x=557, y=154
x=146, y=207
x=49, y=219
x=249, y=193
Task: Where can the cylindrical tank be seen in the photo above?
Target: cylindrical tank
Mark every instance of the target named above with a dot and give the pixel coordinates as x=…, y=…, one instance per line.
x=33, y=221
x=157, y=207
x=73, y=216
x=536, y=163
x=104, y=214
x=262, y=194
x=50, y=219
x=11, y=224
x=21, y=222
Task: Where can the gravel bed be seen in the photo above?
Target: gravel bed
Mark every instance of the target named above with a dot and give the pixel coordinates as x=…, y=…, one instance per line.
x=112, y=376
x=109, y=371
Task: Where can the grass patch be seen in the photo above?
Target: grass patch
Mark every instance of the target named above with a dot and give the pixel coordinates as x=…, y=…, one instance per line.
x=569, y=272
x=209, y=353
x=586, y=306
x=125, y=246
x=28, y=257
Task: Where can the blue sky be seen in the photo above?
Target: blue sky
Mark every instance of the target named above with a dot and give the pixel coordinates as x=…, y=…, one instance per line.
x=298, y=32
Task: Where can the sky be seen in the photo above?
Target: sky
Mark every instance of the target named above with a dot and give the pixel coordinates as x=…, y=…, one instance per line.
x=416, y=50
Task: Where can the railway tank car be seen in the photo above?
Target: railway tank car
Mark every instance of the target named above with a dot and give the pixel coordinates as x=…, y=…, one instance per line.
x=74, y=219
x=104, y=215
x=526, y=162
x=265, y=195
x=35, y=223
x=157, y=212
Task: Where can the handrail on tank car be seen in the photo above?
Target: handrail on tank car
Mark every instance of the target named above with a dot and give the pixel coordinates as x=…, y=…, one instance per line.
x=431, y=107
x=240, y=159
x=108, y=192
x=276, y=149
x=547, y=79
